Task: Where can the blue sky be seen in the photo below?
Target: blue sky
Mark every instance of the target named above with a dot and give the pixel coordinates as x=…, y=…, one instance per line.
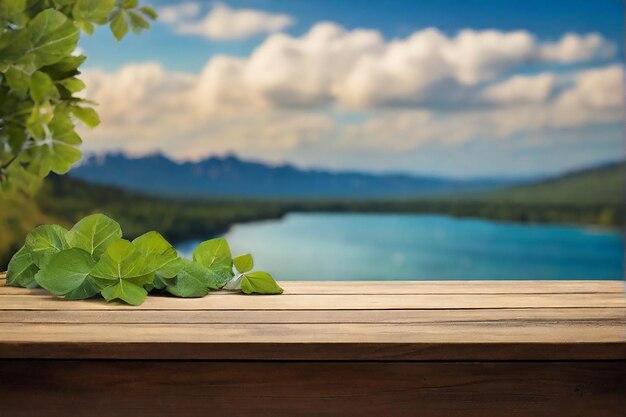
x=458, y=88
x=547, y=19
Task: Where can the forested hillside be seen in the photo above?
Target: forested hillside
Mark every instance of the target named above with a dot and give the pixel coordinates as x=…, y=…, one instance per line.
x=593, y=197
x=600, y=185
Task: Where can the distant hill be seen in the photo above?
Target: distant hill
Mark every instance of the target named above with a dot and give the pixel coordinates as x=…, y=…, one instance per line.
x=232, y=177
x=588, y=197
x=603, y=184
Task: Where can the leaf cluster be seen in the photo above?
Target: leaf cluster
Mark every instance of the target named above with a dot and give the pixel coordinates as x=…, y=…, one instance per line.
x=39, y=84
x=93, y=259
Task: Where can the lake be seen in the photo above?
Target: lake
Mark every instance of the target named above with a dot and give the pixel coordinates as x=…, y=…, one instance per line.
x=322, y=246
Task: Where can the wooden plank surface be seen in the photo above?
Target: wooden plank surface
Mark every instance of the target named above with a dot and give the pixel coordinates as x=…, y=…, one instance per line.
x=324, y=302
x=311, y=389
x=444, y=349
x=517, y=320
x=425, y=287
x=512, y=316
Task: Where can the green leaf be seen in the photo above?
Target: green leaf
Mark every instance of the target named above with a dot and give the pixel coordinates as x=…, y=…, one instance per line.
x=192, y=281
x=68, y=271
x=42, y=87
x=93, y=11
x=130, y=4
x=11, y=8
x=156, y=250
x=85, y=26
x=53, y=36
x=142, y=280
x=160, y=283
x=15, y=46
x=215, y=254
x=58, y=152
x=259, y=282
x=158, y=254
x=119, y=25
x=21, y=269
x=73, y=85
x=39, y=116
x=89, y=288
x=18, y=80
x=122, y=261
x=167, y=275
x=243, y=263
x=65, y=68
x=45, y=241
x=125, y=291
x=171, y=269
x=94, y=234
x=149, y=11
x=137, y=22
x=126, y=270
x=87, y=115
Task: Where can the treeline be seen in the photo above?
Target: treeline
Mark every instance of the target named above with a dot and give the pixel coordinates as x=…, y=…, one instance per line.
x=65, y=200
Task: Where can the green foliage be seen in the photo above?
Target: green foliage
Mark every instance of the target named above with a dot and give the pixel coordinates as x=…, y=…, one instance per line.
x=45, y=241
x=92, y=258
x=94, y=234
x=21, y=271
x=158, y=254
x=215, y=254
x=259, y=282
x=194, y=280
x=243, y=263
x=74, y=265
x=126, y=270
x=603, y=185
x=38, y=81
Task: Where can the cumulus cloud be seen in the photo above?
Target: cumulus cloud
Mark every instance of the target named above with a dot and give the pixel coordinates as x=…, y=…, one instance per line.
x=594, y=97
x=176, y=13
x=522, y=88
x=576, y=48
x=222, y=22
x=425, y=88
x=359, y=68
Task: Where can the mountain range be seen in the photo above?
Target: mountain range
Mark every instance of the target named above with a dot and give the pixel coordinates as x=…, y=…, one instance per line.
x=230, y=176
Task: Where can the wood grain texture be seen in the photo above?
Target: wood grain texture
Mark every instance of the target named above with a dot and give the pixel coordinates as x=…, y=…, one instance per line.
x=586, y=320
x=453, y=333
x=445, y=349
x=303, y=389
x=324, y=302
x=501, y=316
x=425, y=287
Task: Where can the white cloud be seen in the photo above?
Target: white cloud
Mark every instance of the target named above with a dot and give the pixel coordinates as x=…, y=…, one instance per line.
x=176, y=13
x=522, y=88
x=601, y=88
x=423, y=89
x=576, y=48
x=223, y=22
x=595, y=97
x=359, y=68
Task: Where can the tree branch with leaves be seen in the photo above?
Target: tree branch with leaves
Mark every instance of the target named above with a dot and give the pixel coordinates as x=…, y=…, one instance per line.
x=39, y=105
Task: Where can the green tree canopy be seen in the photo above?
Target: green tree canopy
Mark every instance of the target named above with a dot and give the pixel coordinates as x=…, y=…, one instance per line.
x=39, y=106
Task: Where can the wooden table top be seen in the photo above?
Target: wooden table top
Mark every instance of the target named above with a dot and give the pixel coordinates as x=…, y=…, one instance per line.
x=353, y=321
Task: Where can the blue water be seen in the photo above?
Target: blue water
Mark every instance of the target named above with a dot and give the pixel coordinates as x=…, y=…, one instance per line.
x=347, y=247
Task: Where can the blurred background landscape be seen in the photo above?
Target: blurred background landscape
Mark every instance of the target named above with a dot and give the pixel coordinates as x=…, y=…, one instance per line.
x=360, y=140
